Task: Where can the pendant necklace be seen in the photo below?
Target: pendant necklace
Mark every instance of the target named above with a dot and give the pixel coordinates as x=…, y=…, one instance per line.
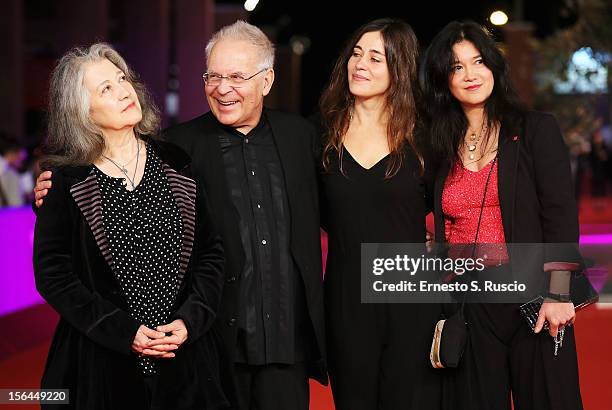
x=123, y=168
x=473, y=141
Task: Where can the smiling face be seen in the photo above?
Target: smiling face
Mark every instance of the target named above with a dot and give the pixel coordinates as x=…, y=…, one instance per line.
x=470, y=82
x=114, y=105
x=238, y=106
x=368, y=74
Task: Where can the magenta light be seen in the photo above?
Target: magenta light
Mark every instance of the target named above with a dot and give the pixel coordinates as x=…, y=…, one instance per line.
x=596, y=239
x=18, y=290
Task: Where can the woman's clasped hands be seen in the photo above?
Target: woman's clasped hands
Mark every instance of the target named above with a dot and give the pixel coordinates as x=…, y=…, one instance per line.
x=160, y=342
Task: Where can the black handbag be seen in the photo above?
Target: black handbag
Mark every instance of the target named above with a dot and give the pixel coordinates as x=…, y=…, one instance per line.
x=450, y=334
x=582, y=294
x=582, y=291
x=450, y=337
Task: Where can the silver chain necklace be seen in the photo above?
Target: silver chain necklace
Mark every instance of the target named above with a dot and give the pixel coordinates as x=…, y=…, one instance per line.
x=123, y=168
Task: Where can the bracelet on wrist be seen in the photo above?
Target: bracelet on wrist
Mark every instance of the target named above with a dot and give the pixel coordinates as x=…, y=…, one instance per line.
x=559, y=297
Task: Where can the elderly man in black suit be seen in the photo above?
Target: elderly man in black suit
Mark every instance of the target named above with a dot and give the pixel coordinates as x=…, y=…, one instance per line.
x=258, y=168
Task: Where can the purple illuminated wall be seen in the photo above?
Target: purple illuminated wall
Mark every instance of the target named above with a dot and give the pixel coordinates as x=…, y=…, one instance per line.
x=16, y=275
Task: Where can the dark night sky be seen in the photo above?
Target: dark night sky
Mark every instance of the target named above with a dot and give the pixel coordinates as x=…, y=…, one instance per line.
x=327, y=29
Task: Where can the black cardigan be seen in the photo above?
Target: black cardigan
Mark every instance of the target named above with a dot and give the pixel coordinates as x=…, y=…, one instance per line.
x=296, y=141
x=536, y=194
x=91, y=350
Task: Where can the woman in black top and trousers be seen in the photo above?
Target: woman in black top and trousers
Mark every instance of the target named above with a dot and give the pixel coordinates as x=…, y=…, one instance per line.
x=124, y=249
x=374, y=190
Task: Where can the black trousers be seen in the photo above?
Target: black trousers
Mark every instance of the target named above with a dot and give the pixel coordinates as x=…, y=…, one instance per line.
x=379, y=356
x=272, y=387
x=505, y=361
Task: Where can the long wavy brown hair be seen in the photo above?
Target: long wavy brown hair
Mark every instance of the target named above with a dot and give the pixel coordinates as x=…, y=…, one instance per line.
x=336, y=104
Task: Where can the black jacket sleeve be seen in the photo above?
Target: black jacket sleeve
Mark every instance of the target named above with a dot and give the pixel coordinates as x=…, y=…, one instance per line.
x=206, y=283
x=317, y=141
x=552, y=176
x=58, y=283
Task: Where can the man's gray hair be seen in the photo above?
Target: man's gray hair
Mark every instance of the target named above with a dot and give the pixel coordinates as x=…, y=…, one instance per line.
x=241, y=30
x=73, y=138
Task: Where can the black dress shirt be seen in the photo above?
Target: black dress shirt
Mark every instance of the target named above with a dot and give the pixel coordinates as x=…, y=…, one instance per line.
x=271, y=292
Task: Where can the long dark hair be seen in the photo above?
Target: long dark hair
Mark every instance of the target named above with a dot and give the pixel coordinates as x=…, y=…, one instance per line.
x=446, y=121
x=401, y=49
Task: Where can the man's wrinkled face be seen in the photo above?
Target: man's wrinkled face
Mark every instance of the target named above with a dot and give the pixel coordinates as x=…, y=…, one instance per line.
x=237, y=105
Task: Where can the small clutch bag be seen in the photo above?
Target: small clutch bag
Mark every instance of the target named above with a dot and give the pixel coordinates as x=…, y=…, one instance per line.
x=531, y=310
x=449, y=340
x=582, y=295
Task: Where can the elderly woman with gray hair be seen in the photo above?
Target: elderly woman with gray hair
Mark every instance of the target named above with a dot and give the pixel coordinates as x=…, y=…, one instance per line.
x=124, y=249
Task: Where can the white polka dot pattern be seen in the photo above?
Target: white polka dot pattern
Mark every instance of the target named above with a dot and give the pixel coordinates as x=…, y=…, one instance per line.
x=144, y=231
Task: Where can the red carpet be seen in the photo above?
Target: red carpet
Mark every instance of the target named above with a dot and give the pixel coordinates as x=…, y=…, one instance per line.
x=593, y=332
x=26, y=334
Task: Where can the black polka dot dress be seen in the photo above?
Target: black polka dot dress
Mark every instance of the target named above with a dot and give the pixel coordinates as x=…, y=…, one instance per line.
x=143, y=228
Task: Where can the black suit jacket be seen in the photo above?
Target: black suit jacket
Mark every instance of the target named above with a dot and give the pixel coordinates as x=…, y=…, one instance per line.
x=296, y=141
x=535, y=189
x=91, y=350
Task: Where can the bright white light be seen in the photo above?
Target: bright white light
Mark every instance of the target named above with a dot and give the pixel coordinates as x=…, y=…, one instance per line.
x=499, y=18
x=585, y=74
x=249, y=5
